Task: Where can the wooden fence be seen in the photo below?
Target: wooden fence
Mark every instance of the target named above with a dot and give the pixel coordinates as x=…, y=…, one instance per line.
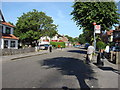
x=16, y=51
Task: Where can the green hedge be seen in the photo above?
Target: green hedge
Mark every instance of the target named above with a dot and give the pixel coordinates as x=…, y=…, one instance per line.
x=101, y=45
x=55, y=44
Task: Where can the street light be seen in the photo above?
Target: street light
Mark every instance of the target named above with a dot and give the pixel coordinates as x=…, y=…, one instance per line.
x=94, y=23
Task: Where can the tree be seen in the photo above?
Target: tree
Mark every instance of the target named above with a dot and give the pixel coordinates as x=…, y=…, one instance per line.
x=82, y=39
x=32, y=25
x=70, y=39
x=100, y=45
x=76, y=39
x=103, y=13
x=11, y=23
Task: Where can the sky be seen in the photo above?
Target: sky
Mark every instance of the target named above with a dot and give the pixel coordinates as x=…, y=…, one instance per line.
x=59, y=11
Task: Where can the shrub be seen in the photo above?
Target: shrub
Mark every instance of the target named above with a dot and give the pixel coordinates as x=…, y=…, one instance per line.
x=55, y=44
x=100, y=45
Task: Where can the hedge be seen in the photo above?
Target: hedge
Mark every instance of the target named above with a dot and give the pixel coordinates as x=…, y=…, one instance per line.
x=56, y=44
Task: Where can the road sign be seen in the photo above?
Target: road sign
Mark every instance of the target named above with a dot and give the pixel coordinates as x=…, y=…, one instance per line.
x=97, y=28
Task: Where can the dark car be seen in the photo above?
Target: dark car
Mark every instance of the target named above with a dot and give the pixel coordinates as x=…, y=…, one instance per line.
x=115, y=48
x=46, y=46
x=87, y=45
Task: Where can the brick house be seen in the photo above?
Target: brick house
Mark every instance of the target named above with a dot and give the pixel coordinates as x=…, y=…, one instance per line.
x=7, y=39
x=107, y=37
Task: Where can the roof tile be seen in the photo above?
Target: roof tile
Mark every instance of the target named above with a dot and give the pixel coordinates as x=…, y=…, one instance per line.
x=8, y=24
x=9, y=36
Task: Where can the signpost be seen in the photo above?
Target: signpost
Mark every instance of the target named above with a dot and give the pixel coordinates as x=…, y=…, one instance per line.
x=96, y=30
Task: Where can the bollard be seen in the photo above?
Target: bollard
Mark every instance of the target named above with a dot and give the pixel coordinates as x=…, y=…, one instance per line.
x=111, y=57
x=100, y=59
x=36, y=49
x=117, y=58
x=50, y=48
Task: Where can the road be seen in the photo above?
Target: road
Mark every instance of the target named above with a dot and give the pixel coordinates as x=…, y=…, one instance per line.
x=60, y=69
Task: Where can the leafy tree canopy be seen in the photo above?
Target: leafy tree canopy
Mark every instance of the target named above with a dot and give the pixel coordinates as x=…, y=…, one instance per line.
x=11, y=23
x=82, y=38
x=71, y=39
x=32, y=25
x=103, y=13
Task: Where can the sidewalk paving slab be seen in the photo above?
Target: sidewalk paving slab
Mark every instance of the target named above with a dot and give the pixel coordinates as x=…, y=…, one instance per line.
x=17, y=56
x=108, y=75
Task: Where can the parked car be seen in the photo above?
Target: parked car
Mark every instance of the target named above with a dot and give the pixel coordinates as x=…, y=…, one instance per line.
x=77, y=46
x=115, y=48
x=44, y=46
x=87, y=45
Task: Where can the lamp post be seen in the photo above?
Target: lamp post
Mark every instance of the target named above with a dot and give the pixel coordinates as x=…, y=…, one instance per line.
x=94, y=23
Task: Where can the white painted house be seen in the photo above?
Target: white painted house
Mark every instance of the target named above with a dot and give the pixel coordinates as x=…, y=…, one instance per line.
x=56, y=38
x=7, y=39
x=47, y=39
x=44, y=40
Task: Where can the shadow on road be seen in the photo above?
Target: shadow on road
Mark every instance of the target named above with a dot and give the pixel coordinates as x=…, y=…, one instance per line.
x=71, y=66
x=78, y=51
x=110, y=69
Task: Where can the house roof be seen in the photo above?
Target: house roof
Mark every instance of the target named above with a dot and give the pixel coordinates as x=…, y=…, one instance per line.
x=109, y=32
x=9, y=36
x=2, y=18
x=8, y=24
x=64, y=39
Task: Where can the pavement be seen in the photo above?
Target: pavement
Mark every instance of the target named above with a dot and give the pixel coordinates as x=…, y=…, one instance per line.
x=30, y=54
x=18, y=56
x=107, y=76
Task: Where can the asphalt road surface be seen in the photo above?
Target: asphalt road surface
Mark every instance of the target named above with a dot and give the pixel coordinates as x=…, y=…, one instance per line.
x=59, y=69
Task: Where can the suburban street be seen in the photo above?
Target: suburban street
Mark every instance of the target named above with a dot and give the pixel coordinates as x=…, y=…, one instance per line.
x=61, y=45
x=64, y=68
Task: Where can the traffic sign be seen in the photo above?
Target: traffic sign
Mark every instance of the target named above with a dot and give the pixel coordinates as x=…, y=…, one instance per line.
x=97, y=28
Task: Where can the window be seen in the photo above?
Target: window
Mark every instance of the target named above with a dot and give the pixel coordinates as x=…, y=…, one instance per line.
x=12, y=44
x=5, y=43
x=8, y=30
x=1, y=28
